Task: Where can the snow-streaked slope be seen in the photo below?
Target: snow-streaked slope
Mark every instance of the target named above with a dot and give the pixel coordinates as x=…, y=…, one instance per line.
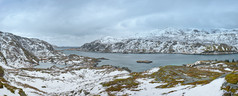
x=188, y=41
x=63, y=82
x=211, y=89
x=18, y=55
x=5, y=91
x=19, y=51
x=148, y=89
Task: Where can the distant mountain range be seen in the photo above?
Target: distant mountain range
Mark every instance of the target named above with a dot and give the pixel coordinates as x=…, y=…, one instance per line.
x=171, y=40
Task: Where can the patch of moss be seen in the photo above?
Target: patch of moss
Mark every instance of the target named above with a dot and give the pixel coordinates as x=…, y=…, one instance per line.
x=136, y=75
x=125, y=94
x=229, y=89
x=1, y=71
x=28, y=86
x=173, y=75
x=1, y=85
x=199, y=82
x=21, y=93
x=232, y=78
x=118, y=84
x=33, y=69
x=4, y=83
x=169, y=92
x=2, y=79
x=168, y=85
x=13, y=89
x=10, y=88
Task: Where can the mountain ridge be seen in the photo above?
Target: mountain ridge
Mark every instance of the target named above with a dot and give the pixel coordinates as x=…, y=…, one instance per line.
x=22, y=52
x=185, y=41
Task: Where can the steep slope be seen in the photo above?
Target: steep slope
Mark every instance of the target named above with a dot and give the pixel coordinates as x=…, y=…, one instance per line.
x=63, y=82
x=187, y=41
x=20, y=55
x=6, y=89
x=16, y=51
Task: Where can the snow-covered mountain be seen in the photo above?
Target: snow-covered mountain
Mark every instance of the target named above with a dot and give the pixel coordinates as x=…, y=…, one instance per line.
x=19, y=51
x=171, y=40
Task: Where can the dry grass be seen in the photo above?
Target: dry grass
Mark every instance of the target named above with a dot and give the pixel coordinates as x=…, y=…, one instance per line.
x=4, y=83
x=119, y=84
x=171, y=74
x=1, y=71
x=232, y=78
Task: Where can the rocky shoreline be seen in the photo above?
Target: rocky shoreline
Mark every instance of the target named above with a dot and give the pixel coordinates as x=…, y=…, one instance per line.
x=204, y=53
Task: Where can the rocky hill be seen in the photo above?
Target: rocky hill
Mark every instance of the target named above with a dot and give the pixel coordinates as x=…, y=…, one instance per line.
x=21, y=52
x=170, y=40
x=19, y=55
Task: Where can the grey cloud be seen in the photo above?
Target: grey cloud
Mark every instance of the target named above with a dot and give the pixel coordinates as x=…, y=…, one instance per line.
x=74, y=22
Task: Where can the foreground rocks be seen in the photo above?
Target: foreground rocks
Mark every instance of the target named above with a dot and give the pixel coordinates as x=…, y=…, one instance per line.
x=231, y=84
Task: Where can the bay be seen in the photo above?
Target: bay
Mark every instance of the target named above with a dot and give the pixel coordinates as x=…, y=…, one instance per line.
x=129, y=60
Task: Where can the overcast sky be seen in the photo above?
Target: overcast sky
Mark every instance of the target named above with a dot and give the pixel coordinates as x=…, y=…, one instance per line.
x=74, y=22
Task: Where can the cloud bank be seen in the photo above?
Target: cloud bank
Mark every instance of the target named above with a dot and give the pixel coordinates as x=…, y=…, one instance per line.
x=74, y=22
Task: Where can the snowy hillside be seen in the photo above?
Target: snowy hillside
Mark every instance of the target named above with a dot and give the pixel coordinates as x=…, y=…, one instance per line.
x=205, y=79
x=170, y=40
x=18, y=51
x=81, y=77
x=21, y=52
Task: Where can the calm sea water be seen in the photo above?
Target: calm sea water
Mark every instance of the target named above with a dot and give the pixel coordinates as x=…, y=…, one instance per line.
x=129, y=60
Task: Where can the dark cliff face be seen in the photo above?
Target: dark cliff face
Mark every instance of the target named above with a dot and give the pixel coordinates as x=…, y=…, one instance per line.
x=16, y=50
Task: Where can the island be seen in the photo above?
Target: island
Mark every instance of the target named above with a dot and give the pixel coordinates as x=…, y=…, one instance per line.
x=144, y=61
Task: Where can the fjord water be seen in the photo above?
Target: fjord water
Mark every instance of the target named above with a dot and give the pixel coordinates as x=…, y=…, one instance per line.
x=129, y=60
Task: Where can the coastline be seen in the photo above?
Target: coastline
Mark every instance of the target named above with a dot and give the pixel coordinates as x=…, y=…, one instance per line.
x=215, y=53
